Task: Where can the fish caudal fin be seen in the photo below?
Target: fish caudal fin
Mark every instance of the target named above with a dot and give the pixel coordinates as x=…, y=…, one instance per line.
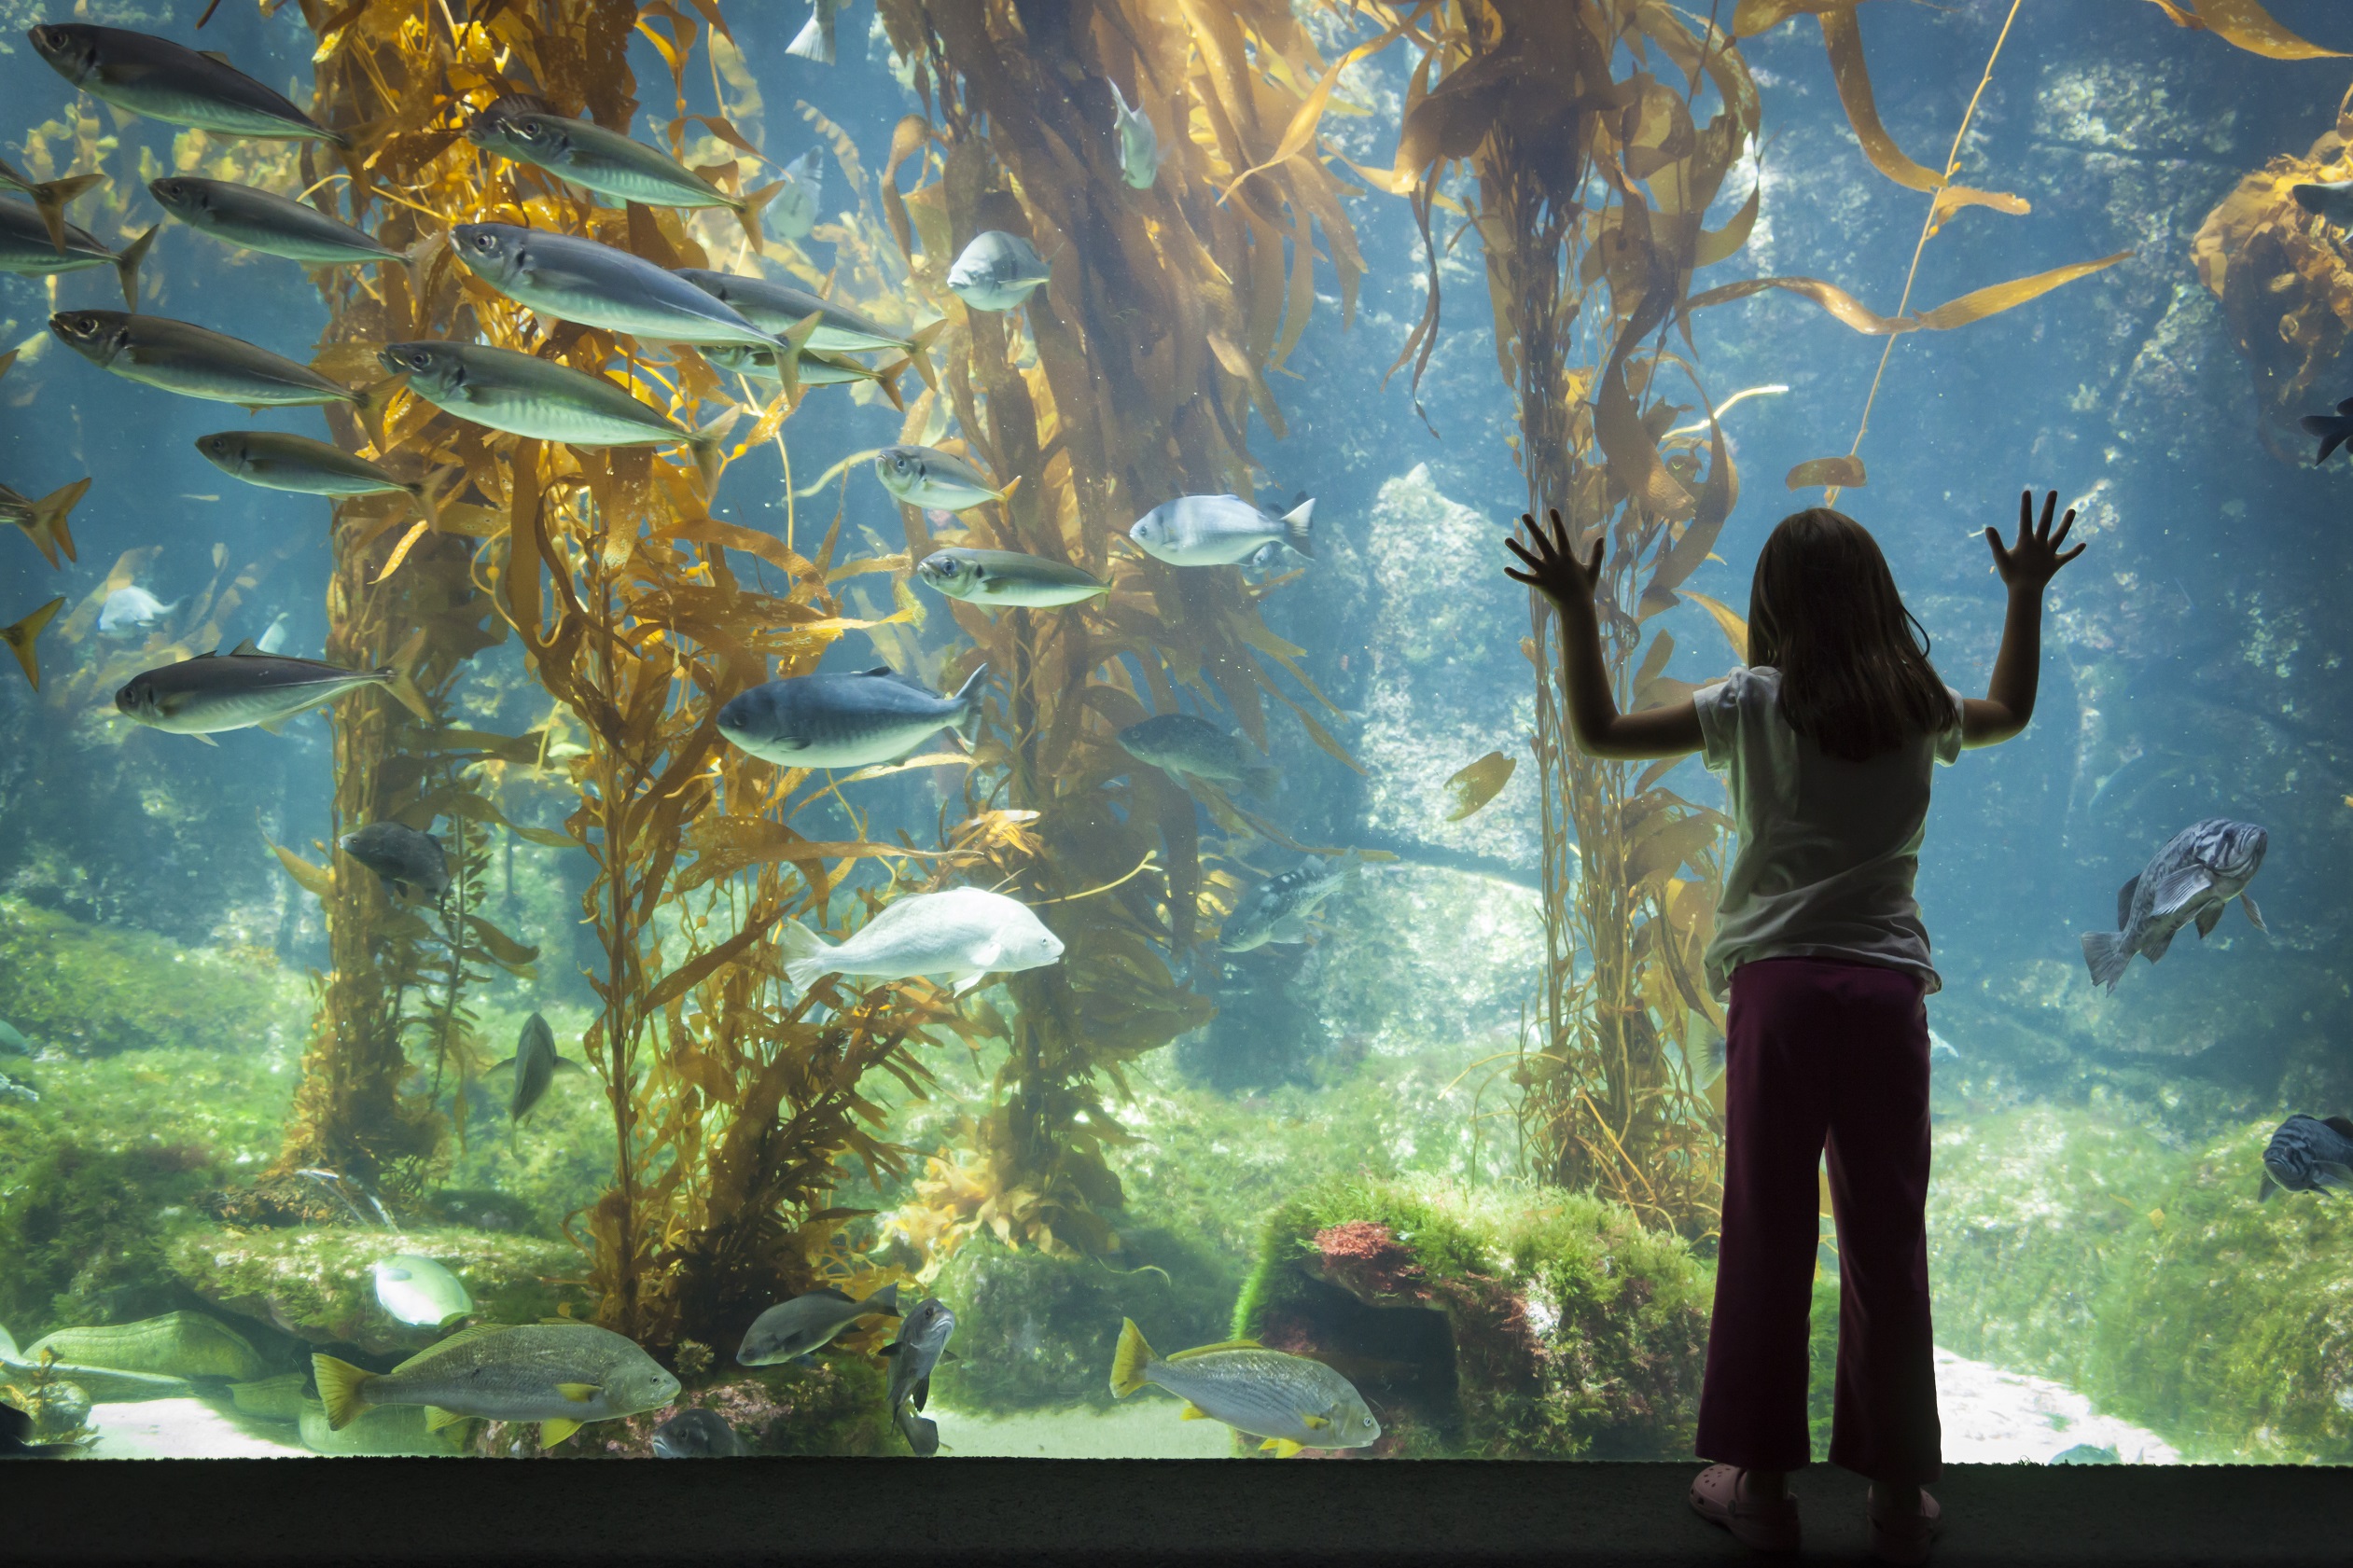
x=806, y=954
x=402, y=682
x=49, y=197
x=710, y=457
x=21, y=638
x=49, y=521
x=127, y=265
x=343, y=1389
x=919, y=350
x=886, y=379
x=884, y=1300
x=1131, y=1361
x=815, y=41
x=1296, y=523
x=747, y=212
x=2332, y=432
x=968, y=723
x=2107, y=955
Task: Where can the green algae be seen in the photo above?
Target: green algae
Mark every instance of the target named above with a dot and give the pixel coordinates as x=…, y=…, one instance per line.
x=1489, y=1324
x=85, y=1230
x=93, y=989
x=177, y=1344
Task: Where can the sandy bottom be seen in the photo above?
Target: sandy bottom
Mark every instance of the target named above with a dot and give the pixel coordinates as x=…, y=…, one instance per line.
x=1991, y=1417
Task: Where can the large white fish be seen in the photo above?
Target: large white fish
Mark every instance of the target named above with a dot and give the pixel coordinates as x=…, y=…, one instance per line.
x=792, y=211
x=815, y=41
x=131, y=612
x=955, y=937
x=1139, y=143
x=996, y=271
x=1219, y=530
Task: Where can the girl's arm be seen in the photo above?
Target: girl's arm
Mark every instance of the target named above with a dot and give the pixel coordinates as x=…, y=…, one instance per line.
x=1554, y=571
x=2026, y=567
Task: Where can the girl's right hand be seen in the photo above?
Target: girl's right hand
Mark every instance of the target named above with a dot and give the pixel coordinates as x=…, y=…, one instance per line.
x=2035, y=557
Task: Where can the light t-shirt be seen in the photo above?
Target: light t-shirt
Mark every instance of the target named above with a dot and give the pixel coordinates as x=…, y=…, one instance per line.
x=1828, y=849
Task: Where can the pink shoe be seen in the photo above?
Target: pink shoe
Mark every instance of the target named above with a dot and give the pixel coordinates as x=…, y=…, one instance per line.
x=1768, y=1524
x=1902, y=1540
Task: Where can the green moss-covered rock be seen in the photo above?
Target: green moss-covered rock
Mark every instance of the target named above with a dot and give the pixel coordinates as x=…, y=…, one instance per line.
x=838, y=1408
x=1034, y=1331
x=1477, y=1327
x=93, y=989
x=83, y=1233
x=176, y=1345
x=320, y=1286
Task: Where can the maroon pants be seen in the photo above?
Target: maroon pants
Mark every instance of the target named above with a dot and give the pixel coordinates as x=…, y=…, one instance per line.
x=1824, y=1054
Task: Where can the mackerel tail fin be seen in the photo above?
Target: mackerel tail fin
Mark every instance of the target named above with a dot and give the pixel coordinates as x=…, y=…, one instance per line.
x=127, y=266
x=1296, y=523
x=968, y=723
x=49, y=512
x=1130, y=1361
x=2106, y=954
x=22, y=636
x=710, y=457
x=49, y=197
x=402, y=682
x=342, y=1389
x=919, y=350
x=887, y=380
x=805, y=954
x=748, y=209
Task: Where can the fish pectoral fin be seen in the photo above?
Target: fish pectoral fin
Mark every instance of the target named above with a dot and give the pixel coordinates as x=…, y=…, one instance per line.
x=1283, y=1447
x=207, y=740
x=2253, y=913
x=959, y=984
x=579, y=1394
x=272, y=725
x=554, y=1431
x=1194, y=1412
x=2208, y=918
x=436, y=1418
x=2177, y=889
x=1313, y=1423
x=2333, y=1173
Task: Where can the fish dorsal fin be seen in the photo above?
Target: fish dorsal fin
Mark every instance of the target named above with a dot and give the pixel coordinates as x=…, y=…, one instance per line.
x=217, y=58
x=884, y=671
x=478, y=1331
x=245, y=650
x=2339, y=1124
x=2124, y=902
x=1212, y=1350
x=2346, y=407
x=521, y=103
x=830, y=1293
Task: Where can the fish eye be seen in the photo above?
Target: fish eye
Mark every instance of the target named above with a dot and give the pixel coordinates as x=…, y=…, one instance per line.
x=483, y=242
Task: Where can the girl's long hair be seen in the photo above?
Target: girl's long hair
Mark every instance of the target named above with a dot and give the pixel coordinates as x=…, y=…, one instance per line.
x=1823, y=610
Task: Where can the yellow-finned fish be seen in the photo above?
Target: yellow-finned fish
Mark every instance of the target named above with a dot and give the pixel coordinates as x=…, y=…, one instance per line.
x=557, y=1374
x=1291, y=1402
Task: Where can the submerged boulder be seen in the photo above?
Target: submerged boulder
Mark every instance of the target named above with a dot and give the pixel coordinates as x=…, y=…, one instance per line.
x=320, y=1286
x=175, y=1345
x=1482, y=1328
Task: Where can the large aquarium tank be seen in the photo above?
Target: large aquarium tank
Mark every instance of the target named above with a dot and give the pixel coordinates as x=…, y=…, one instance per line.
x=736, y=729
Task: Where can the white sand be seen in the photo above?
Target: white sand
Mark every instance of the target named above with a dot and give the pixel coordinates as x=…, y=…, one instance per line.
x=1993, y=1417
x=191, y=1428
x=1145, y=1427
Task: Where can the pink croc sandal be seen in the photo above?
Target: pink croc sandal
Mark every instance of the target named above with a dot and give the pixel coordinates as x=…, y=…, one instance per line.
x=1765, y=1524
x=1900, y=1538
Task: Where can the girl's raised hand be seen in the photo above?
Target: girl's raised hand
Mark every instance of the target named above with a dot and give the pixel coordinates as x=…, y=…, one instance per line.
x=2035, y=557
x=1554, y=569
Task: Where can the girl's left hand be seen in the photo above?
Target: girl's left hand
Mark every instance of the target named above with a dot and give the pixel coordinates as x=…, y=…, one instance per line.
x=1554, y=569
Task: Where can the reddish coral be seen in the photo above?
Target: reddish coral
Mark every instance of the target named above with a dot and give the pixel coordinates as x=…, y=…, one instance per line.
x=1366, y=1259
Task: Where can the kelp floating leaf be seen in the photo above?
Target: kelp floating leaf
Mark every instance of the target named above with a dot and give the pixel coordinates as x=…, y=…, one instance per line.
x=1842, y=473
x=1972, y=307
x=2246, y=23
x=1997, y=297
x=316, y=881
x=1736, y=629
x=1473, y=786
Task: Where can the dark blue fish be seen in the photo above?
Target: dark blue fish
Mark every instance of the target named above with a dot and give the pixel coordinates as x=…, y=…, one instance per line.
x=846, y=721
x=698, y=1434
x=2308, y=1154
x=923, y=1339
x=2332, y=429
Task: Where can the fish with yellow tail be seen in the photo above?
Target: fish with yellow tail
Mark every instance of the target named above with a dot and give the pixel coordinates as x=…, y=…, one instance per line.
x=29, y=249
x=1289, y=1401
x=561, y=1375
x=44, y=520
x=215, y=693
x=529, y=130
x=20, y=638
x=49, y=196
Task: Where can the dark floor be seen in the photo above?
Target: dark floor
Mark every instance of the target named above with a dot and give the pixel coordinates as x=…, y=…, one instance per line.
x=1113, y=1514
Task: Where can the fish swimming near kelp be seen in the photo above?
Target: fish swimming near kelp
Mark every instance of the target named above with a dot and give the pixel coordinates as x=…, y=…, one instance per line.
x=131, y=612
x=815, y=41
x=1187, y=747
x=529, y=130
x=2309, y=1154
x=792, y=213
x=280, y=460
x=997, y=271
x=407, y=863
x=533, y=1066
x=1278, y=910
x=557, y=1374
x=2335, y=430
x=568, y=277
x=521, y=394
x=49, y=196
x=955, y=937
x=847, y=721
x=28, y=251
x=45, y=522
x=923, y=1339
x=1289, y=1401
x=778, y=307
x=810, y=368
x=2331, y=200
x=928, y=476
x=1007, y=578
x=215, y=693
x=419, y=1292
x=254, y=219
x=698, y=1434
x=1139, y=143
x=194, y=361
x=1220, y=530
x=2193, y=878
x=795, y=1328
x=23, y=635
x=160, y=79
